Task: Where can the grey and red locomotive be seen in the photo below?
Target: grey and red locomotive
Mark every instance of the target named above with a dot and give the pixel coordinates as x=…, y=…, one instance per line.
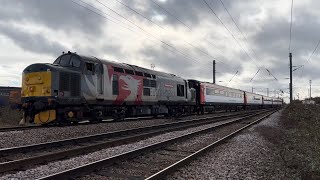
x=77, y=87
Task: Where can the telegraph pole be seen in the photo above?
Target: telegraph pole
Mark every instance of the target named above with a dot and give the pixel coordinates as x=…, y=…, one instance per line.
x=252, y=90
x=214, y=72
x=290, y=86
x=310, y=88
x=267, y=91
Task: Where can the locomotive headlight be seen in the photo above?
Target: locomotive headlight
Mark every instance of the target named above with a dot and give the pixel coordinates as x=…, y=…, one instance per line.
x=39, y=78
x=31, y=89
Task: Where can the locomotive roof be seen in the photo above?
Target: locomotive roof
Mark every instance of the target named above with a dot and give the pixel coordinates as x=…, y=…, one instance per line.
x=128, y=66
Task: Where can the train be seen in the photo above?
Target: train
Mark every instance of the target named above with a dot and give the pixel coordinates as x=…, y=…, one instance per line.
x=76, y=87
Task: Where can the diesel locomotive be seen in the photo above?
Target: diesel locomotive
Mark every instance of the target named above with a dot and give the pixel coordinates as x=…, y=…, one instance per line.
x=76, y=87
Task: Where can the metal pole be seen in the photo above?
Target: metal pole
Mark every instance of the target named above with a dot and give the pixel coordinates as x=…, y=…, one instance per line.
x=267, y=91
x=214, y=72
x=290, y=58
x=252, y=90
x=310, y=88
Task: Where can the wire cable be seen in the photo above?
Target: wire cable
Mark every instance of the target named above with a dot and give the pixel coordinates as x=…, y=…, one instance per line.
x=226, y=9
x=190, y=44
x=171, y=47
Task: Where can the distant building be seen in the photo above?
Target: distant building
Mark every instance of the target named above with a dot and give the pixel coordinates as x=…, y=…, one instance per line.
x=9, y=95
x=308, y=101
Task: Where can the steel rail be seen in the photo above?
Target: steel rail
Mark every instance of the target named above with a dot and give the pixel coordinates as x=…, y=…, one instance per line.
x=86, y=122
x=166, y=171
x=84, y=169
x=104, y=135
x=17, y=164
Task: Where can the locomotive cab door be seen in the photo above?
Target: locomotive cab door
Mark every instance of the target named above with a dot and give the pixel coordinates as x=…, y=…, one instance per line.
x=99, y=78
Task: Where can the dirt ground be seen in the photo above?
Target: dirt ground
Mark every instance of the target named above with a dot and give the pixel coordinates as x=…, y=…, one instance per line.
x=9, y=117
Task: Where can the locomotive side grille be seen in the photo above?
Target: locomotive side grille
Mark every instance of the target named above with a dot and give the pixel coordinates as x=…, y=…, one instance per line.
x=70, y=82
x=75, y=85
x=64, y=81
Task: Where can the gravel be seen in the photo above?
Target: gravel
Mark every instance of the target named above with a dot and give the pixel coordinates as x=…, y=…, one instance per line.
x=246, y=156
x=41, y=135
x=143, y=166
x=59, y=166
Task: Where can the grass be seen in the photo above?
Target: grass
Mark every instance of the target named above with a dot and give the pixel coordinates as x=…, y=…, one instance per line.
x=298, y=140
x=9, y=117
x=302, y=139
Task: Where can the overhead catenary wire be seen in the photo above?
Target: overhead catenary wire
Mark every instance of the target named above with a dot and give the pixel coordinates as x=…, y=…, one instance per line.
x=235, y=39
x=171, y=14
x=139, y=13
x=254, y=75
x=226, y=9
x=223, y=24
x=233, y=76
x=190, y=29
x=307, y=61
x=171, y=48
x=190, y=44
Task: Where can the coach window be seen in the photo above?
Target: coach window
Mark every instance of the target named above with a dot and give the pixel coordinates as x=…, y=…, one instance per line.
x=153, y=76
x=208, y=91
x=180, y=90
x=89, y=68
x=146, y=91
x=115, y=85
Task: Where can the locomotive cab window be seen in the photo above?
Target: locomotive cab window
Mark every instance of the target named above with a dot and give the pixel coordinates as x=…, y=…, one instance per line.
x=89, y=68
x=64, y=60
x=75, y=61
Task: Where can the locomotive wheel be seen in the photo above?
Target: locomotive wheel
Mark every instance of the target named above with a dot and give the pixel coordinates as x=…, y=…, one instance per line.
x=96, y=117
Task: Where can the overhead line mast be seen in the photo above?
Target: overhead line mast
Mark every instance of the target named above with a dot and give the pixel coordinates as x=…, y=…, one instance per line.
x=290, y=55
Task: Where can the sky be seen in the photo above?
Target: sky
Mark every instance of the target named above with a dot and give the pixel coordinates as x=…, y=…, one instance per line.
x=182, y=37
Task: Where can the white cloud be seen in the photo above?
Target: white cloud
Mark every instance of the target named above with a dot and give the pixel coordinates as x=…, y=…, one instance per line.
x=63, y=24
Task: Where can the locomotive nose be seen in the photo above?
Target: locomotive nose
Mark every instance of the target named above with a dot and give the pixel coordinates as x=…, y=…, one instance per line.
x=36, y=80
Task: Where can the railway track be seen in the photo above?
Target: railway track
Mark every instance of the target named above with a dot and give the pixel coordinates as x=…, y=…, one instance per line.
x=21, y=163
x=30, y=127
x=39, y=153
